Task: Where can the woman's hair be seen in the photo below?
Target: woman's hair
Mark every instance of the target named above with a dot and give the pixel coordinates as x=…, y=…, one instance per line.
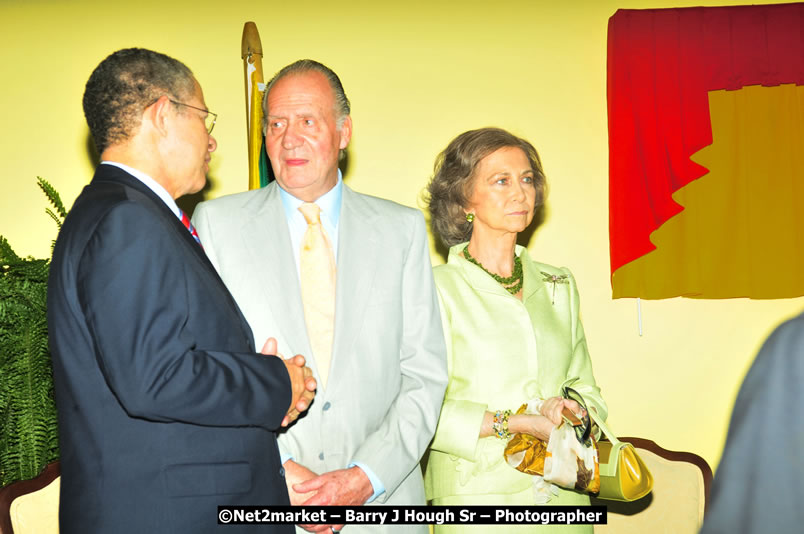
x=454, y=177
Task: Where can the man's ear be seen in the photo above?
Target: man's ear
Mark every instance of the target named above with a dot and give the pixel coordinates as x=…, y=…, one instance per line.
x=345, y=132
x=159, y=114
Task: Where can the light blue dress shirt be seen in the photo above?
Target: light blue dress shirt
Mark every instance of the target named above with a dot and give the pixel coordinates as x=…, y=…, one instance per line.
x=330, y=205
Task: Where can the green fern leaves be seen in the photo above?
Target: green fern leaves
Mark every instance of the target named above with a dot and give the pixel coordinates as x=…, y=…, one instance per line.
x=28, y=420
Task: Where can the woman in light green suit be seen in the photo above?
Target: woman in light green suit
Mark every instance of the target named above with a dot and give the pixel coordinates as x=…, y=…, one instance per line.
x=511, y=324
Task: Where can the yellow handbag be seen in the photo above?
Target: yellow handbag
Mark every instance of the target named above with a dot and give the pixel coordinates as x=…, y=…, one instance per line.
x=623, y=474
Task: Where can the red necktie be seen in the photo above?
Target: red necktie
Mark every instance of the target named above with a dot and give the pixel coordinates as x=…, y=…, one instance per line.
x=187, y=224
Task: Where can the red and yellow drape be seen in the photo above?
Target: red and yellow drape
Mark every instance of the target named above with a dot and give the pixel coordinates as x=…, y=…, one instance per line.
x=706, y=91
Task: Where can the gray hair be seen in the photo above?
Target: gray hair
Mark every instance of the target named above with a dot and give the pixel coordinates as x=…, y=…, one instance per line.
x=303, y=66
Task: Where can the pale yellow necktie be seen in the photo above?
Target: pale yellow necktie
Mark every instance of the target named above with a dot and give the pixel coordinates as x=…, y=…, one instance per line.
x=317, y=270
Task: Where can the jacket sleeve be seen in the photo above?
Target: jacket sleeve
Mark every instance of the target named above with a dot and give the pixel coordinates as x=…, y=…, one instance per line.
x=580, y=376
x=135, y=282
x=459, y=425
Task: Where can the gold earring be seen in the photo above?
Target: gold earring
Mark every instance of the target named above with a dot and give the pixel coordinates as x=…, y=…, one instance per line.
x=470, y=217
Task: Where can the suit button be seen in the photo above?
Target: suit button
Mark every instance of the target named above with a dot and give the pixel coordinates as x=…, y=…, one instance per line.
x=282, y=472
x=321, y=456
x=326, y=406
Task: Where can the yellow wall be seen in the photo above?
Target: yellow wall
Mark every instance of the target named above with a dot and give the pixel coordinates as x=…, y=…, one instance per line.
x=418, y=73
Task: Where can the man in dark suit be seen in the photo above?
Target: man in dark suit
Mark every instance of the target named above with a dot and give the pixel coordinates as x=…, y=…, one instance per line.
x=165, y=408
x=759, y=484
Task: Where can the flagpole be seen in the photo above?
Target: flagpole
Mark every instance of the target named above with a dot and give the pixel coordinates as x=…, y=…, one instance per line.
x=251, y=53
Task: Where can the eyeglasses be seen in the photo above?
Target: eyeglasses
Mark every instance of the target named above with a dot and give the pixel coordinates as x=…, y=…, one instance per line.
x=209, y=120
x=583, y=427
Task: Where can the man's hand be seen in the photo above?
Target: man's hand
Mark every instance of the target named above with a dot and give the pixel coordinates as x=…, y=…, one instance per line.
x=296, y=473
x=343, y=487
x=302, y=383
x=302, y=402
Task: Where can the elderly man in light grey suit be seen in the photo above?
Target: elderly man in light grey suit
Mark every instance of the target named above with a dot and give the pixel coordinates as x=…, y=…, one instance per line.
x=380, y=394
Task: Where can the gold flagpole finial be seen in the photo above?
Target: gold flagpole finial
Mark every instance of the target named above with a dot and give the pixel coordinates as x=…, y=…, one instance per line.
x=251, y=54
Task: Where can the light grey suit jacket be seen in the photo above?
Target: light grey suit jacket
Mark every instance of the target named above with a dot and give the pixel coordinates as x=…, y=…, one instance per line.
x=758, y=485
x=388, y=368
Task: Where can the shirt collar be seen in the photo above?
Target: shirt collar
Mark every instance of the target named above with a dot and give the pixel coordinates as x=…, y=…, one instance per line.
x=329, y=202
x=151, y=184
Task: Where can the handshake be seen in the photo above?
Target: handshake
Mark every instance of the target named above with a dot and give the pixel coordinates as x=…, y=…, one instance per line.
x=302, y=383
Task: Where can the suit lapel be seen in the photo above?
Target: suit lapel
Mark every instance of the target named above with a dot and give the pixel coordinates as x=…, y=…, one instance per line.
x=534, y=295
x=537, y=300
x=358, y=244
x=267, y=240
x=534, y=284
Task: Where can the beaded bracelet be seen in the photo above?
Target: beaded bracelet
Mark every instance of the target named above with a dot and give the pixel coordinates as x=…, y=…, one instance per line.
x=500, y=424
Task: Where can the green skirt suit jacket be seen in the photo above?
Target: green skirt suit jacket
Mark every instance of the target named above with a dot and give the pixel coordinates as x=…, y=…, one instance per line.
x=501, y=353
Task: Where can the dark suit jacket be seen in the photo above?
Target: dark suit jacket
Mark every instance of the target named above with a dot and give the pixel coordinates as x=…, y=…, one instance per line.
x=165, y=409
x=759, y=484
